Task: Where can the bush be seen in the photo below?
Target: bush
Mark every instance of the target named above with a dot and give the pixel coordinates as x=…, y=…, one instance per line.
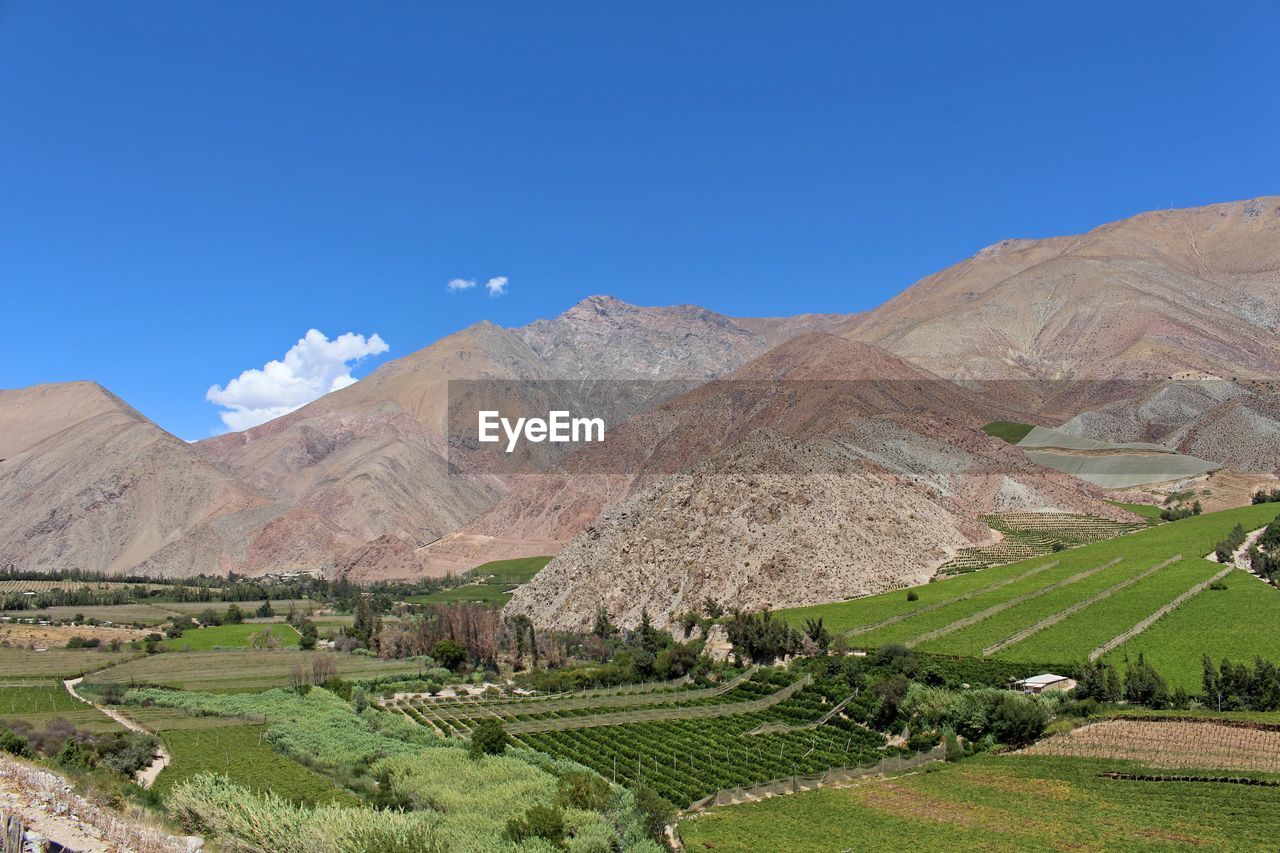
x=655, y=811
x=1018, y=720
x=538, y=822
x=13, y=744
x=912, y=595
x=488, y=738
x=78, y=642
x=449, y=654
x=583, y=790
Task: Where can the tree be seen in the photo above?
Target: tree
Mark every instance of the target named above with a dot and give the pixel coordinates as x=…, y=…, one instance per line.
x=604, y=627
x=488, y=738
x=362, y=625
x=309, y=635
x=449, y=654
x=1144, y=686
x=814, y=630
x=235, y=615
x=265, y=610
x=209, y=616
x=1018, y=720
x=323, y=667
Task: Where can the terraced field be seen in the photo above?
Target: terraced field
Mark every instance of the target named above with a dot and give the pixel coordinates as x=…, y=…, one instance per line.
x=1032, y=534
x=1071, y=605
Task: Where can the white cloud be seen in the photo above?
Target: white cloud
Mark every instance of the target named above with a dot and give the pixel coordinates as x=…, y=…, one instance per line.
x=457, y=284
x=497, y=285
x=311, y=368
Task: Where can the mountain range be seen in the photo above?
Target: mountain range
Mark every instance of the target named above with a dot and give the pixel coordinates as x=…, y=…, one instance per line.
x=762, y=496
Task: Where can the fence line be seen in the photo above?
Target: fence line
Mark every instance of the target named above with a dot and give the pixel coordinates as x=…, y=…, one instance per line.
x=1055, y=618
x=1158, y=615
x=834, y=776
x=1005, y=605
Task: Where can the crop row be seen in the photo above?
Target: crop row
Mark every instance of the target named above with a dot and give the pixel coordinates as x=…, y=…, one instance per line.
x=687, y=760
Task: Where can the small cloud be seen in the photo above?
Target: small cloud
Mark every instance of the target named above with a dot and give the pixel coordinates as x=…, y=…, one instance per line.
x=457, y=284
x=311, y=368
x=497, y=285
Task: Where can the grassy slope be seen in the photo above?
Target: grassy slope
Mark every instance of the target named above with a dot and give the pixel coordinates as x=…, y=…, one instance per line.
x=1147, y=511
x=495, y=582
x=232, y=636
x=999, y=803
x=518, y=570
x=1240, y=622
x=1076, y=636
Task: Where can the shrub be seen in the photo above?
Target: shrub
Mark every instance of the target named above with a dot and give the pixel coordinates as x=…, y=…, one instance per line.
x=655, y=811
x=912, y=595
x=488, y=738
x=583, y=790
x=1018, y=720
x=449, y=654
x=538, y=822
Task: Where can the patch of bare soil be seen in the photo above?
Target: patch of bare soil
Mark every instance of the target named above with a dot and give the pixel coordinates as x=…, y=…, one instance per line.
x=56, y=636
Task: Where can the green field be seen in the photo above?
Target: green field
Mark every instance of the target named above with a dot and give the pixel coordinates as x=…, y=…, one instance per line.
x=1000, y=803
x=1010, y=431
x=1147, y=511
x=242, y=753
x=480, y=593
x=39, y=702
x=1017, y=596
x=237, y=671
x=518, y=570
x=233, y=636
x=491, y=582
x=1239, y=623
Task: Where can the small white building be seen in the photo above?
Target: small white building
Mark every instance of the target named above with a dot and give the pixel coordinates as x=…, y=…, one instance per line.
x=1045, y=681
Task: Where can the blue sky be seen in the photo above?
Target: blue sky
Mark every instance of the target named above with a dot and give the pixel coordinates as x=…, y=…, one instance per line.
x=186, y=189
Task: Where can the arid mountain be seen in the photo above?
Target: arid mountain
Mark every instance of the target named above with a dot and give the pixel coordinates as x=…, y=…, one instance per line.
x=1145, y=297
x=372, y=457
x=93, y=484
x=862, y=472
x=89, y=483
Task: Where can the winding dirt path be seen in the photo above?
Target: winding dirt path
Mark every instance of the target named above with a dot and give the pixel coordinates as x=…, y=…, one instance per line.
x=147, y=775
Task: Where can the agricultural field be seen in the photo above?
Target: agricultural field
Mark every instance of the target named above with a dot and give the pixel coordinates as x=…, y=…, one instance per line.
x=1192, y=745
x=1010, y=431
x=1211, y=622
x=243, y=636
x=238, y=671
x=281, y=606
x=1009, y=802
x=58, y=663
x=1064, y=606
x=240, y=751
x=40, y=702
x=1033, y=534
x=749, y=691
x=119, y=614
x=7, y=586
x=685, y=742
x=489, y=583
